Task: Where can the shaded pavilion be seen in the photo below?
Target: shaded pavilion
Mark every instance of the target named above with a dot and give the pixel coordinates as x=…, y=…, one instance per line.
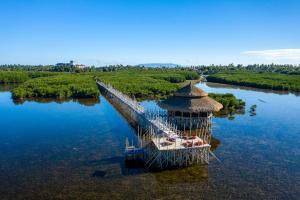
x=190, y=107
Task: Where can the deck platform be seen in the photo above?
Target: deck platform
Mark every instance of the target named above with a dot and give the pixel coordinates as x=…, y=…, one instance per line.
x=166, y=143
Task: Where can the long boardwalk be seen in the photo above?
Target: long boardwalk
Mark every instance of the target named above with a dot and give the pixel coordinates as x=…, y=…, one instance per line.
x=163, y=145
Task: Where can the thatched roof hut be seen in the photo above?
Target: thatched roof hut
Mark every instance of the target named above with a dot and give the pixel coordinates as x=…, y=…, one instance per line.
x=191, y=99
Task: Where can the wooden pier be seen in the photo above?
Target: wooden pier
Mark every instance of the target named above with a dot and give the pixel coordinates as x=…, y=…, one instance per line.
x=161, y=144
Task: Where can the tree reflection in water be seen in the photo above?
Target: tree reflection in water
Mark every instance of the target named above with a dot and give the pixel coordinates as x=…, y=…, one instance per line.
x=84, y=101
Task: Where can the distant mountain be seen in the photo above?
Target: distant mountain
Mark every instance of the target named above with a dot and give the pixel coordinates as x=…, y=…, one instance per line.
x=159, y=65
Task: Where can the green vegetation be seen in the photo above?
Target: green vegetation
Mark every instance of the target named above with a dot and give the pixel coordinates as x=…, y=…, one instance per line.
x=147, y=83
x=267, y=76
x=21, y=73
x=272, y=68
x=231, y=105
x=13, y=77
x=36, y=68
x=202, y=69
x=139, y=82
x=159, y=83
x=229, y=101
x=60, y=86
x=273, y=81
x=142, y=83
x=21, y=76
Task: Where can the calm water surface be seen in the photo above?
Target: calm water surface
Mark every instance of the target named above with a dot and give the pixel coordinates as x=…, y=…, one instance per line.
x=55, y=150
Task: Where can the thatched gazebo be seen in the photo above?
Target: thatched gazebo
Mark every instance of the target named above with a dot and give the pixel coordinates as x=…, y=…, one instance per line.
x=190, y=107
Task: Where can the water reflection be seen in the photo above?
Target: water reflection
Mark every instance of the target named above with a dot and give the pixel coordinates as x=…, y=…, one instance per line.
x=252, y=110
x=82, y=101
x=86, y=101
x=229, y=113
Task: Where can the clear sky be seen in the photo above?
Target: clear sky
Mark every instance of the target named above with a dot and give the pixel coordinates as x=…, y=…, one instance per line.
x=186, y=32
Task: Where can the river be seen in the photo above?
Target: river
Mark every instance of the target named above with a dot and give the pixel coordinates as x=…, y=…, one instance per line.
x=74, y=150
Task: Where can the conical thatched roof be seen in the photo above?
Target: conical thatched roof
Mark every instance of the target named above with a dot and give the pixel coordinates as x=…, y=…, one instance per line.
x=191, y=99
x=190, y=91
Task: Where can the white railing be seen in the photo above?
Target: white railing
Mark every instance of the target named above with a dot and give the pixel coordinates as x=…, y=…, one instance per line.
x=156, y=120
x=126, y=99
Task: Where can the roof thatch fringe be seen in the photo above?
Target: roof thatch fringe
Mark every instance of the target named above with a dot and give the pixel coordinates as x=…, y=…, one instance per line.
x=191, y=99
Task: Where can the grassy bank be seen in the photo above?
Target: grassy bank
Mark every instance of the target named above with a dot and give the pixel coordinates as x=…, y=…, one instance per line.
x=268, y=80
x=59, y=86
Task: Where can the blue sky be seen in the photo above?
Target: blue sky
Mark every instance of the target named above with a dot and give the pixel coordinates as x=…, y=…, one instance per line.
x=186, y=32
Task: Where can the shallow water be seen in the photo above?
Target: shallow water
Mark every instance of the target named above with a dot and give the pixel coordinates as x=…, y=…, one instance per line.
x=73, y=151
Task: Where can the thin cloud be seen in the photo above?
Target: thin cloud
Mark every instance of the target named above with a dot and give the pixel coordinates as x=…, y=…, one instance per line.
x=276, y=54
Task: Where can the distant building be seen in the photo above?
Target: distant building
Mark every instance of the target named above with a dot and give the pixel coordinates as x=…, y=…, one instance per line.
x=70, y=64
x=80, y=66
